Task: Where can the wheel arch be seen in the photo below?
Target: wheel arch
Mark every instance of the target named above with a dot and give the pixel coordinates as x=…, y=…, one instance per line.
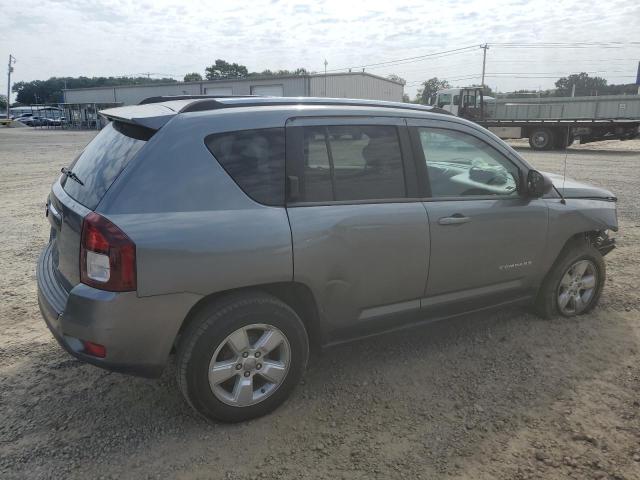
x=591, y=237
x=296, y=295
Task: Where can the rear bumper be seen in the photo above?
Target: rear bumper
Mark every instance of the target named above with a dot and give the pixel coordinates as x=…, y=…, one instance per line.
x=138, y=333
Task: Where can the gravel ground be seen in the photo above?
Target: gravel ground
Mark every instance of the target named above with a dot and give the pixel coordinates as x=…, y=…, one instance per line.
x=496, y=396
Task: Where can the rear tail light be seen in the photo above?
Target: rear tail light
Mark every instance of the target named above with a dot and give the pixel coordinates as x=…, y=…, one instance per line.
x=107, y=256
x=94, y=349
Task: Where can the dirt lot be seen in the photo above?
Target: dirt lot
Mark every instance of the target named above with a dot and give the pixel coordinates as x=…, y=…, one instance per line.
x=504, y=396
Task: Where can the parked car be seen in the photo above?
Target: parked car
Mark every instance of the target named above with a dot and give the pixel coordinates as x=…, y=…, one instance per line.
x=31, y=120
x=241, y=232
x=53, y=121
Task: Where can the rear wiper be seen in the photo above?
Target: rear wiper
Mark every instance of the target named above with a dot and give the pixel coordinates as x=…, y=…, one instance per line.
x=71, y=175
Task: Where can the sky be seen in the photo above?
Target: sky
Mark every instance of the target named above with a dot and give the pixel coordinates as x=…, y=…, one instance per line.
x=170, y=38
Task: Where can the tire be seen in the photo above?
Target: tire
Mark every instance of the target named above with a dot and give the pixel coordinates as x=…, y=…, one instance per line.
x=562, y=142
x=548, y=303
x=214, y=332
x=541, y=139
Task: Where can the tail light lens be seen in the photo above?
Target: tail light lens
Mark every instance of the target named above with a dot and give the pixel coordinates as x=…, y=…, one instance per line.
x=107, y=256
x=94, y=349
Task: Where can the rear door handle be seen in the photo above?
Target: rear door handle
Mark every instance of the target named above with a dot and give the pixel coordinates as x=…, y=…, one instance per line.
x=456, y=219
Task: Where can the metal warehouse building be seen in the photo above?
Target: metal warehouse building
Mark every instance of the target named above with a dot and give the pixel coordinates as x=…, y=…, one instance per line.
x=336, y=85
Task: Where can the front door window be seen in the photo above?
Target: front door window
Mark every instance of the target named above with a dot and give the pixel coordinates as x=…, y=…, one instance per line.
x=461, y=165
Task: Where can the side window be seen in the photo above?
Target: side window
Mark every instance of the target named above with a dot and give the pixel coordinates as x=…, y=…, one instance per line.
x=444, y=99
x=351, y=162
x=255, y=161
x=459, y=164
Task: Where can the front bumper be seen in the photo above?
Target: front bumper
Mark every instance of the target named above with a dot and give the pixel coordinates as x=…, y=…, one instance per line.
x=138, y=333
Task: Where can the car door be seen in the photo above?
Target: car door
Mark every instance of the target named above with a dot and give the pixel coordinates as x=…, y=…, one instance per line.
x=359, y=230
x=487, y=238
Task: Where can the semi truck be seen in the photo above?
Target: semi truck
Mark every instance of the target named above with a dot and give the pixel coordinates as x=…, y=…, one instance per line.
x=550, y=122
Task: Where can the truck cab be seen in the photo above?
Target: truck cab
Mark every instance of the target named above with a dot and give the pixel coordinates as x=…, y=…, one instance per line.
x=467, y=102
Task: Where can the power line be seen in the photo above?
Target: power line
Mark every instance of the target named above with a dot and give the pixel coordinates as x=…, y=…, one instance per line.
x=470, y=48
x=521, y=76
x=564, y=44
x=414, y=83
x=556, y=73
x=408, y=59
x=413, y=61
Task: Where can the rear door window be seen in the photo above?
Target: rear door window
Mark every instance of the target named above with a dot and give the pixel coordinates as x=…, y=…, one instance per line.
x=102, y=160
x=351, y=162
x=255, y=161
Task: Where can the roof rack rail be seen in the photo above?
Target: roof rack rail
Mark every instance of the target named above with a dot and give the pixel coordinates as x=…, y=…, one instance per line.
x=203, y=103
x=168, y=98
x=255, y=101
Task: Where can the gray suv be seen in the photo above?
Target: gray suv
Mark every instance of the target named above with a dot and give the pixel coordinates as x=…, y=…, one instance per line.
x=241, y=232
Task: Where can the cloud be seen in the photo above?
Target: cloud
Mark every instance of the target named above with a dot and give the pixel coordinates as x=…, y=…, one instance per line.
x=117, y=37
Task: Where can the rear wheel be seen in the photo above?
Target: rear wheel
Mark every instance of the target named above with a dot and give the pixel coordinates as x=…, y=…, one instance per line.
x=562, y=141
x=242, y=357
x=574, y=284
x=541, y=139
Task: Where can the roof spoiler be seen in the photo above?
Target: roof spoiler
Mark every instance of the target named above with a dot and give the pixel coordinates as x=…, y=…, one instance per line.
x=152, y=116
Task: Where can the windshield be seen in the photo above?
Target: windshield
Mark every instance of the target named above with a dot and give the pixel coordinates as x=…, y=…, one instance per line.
x=102, y=161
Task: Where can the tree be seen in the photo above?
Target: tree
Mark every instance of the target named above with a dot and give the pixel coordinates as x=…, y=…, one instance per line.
x=37, y=91
x=405, y=98
x=280, y=73
x=50, y=91
x=620, y=89
x=524, y=94
x=397, y=78
x=3, y=102
x=222, y=69
x=585, y=85
x=193, y=77
x=486, y=91
x=429, y=89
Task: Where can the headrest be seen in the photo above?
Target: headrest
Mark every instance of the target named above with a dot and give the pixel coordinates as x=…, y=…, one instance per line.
x=381, y=151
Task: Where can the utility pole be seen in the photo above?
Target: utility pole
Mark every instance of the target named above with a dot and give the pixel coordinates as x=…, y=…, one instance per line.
x=325, y=76
x=484, y=47
x=12, y=60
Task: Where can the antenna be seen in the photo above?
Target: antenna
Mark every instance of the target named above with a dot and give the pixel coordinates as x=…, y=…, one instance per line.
x=564, y=174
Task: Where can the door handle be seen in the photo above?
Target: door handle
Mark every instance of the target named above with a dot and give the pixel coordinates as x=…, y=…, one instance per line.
x=456, y=219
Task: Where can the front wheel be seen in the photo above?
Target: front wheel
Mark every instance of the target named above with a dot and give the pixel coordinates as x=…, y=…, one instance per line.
x=242, y=357
x=574, y=284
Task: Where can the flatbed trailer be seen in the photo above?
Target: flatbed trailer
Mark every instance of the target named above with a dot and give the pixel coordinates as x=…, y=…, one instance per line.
x=548, y=123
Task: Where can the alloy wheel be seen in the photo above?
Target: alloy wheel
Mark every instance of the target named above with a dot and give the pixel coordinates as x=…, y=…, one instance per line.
x=249, y=365
x=577, y=288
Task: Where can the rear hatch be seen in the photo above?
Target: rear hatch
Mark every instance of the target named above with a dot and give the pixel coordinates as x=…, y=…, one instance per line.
x=80, y=190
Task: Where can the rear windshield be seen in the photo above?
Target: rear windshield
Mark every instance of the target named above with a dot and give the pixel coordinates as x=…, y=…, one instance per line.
x=102, y=161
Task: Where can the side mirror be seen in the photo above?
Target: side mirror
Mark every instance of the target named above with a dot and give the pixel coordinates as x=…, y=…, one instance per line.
x=538, y=184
